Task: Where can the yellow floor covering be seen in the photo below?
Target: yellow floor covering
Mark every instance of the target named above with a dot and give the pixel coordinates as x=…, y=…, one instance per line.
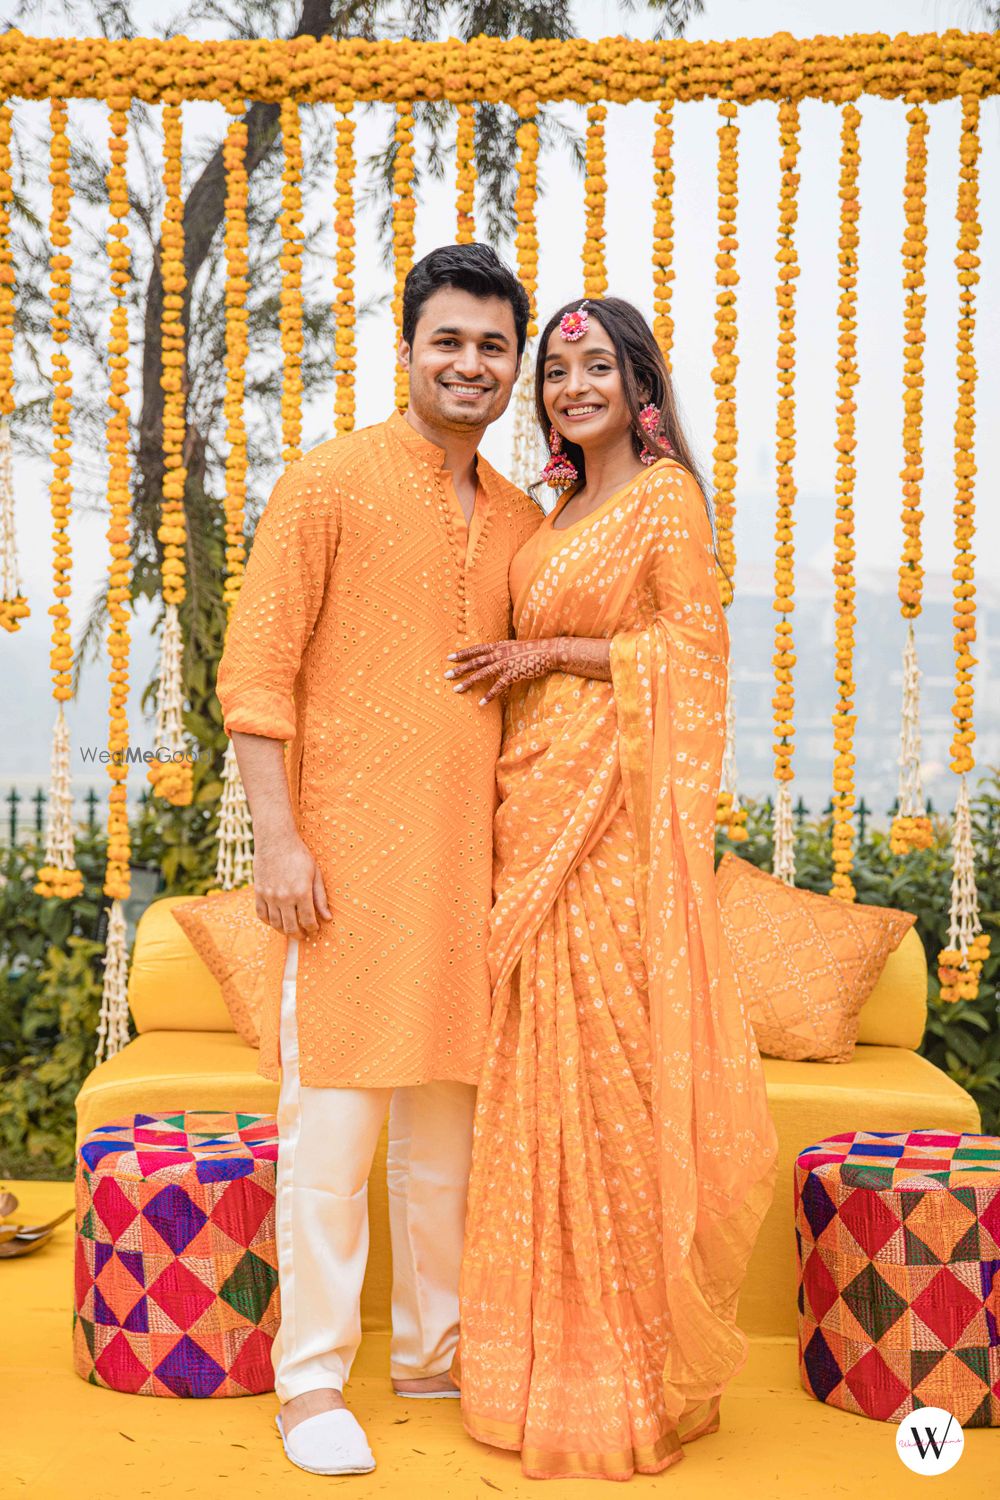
x=62, y=1439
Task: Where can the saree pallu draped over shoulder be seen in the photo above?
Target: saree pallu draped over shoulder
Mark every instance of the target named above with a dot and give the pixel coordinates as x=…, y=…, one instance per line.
x=624, y=1153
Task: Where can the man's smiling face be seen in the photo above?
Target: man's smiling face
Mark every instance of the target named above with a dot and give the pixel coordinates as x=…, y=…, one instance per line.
x=463, y=360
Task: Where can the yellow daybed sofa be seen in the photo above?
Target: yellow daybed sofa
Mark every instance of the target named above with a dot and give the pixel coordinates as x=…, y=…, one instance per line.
x=187, y=1056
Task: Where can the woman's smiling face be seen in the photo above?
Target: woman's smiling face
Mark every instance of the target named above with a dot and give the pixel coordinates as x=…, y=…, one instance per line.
x=583, y=393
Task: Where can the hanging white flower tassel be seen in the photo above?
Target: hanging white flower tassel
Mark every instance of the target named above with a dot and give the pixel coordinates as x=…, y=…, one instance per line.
x=112, y=1030
x=234, y=865
x=911, y=828
x=783, y=863
x=526, y=457
x=59, y=875
x=729, y=814
x=13, y=604
x=171, y=777
x=961, y=963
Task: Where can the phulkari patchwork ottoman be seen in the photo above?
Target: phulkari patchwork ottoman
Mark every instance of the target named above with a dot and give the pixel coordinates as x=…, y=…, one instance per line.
x=176, y=1265
x=898, y=1242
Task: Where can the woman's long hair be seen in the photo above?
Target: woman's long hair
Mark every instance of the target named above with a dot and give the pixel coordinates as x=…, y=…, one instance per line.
x=645, y=378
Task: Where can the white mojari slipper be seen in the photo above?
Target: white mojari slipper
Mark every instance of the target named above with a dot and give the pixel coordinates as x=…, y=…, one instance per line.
x=332, y=1442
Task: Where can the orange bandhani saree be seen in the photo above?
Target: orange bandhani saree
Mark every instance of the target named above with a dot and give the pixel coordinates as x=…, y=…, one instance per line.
x=624, y=1151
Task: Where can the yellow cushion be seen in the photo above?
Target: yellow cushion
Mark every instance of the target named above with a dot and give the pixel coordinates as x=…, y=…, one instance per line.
x=225, y=930
x=895, y=1013
x=170, y=988
x=164, y=1071
x=880, y=1088
x=805, y=962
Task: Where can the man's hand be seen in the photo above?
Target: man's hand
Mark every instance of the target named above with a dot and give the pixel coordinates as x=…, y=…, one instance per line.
x=287, y=881
x=288, y=886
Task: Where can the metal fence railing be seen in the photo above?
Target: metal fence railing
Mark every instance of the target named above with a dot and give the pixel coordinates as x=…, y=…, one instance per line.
x=25, y=813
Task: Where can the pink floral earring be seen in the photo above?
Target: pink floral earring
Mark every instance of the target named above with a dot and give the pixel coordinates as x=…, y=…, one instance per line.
x=649, y=422
x=560, y=471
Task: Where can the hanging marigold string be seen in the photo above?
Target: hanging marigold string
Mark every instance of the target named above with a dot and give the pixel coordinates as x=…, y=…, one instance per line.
x=112, y=1032
x=465, y=175
x=234, y=836
x=595, y=274
x=729, y=814
x=844, y=717
x=59, y=876
x=13, y=604
x=403, y=218
x=343, y=311
x=525, y=460
x=911, y=828
x=237, y=350
x=960, y=964
x=172, y=777
x=663, y=227
x=783, y=660
x=290, y=259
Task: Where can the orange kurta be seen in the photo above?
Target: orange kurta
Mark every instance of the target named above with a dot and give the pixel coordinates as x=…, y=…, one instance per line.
x=623, y=1152
x=362, y=578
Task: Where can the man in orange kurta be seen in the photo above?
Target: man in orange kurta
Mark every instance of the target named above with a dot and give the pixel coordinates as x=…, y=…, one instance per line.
x=378, y=554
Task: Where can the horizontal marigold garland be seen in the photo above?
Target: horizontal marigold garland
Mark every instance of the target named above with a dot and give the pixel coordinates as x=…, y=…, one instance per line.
x=915, y=67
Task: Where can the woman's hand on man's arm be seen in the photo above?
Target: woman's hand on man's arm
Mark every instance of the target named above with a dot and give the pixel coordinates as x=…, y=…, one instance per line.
x=497, y=665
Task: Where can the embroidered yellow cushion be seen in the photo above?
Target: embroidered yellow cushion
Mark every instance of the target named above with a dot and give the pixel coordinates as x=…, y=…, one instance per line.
x=230, y=938
x=805, y=963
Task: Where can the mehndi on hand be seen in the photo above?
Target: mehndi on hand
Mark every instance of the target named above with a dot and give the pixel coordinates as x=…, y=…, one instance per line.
x=502, y=663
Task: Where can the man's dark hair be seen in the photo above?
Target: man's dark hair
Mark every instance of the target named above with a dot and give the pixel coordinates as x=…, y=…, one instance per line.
x=471, y=268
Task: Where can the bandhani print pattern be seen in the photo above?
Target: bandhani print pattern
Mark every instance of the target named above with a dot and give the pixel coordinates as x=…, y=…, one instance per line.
x=898, y=1240
x=176, y=1280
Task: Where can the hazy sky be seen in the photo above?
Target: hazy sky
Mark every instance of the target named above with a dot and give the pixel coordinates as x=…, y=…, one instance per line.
x=629, y=222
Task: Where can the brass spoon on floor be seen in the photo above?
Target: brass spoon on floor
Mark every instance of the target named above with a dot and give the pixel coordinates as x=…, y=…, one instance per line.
x=21, y=1239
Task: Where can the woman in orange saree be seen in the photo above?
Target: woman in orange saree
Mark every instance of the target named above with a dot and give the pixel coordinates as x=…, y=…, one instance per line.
x=623, y=1154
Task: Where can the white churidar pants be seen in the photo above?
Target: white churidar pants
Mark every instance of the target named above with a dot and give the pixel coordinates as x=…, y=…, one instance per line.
x=326, y=1144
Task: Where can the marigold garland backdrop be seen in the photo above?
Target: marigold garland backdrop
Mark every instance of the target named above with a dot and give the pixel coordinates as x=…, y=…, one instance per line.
x=915, y=70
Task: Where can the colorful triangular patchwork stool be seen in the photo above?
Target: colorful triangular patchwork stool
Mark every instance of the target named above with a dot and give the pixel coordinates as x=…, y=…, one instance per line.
x=898, y=1242
x=176, y=1266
